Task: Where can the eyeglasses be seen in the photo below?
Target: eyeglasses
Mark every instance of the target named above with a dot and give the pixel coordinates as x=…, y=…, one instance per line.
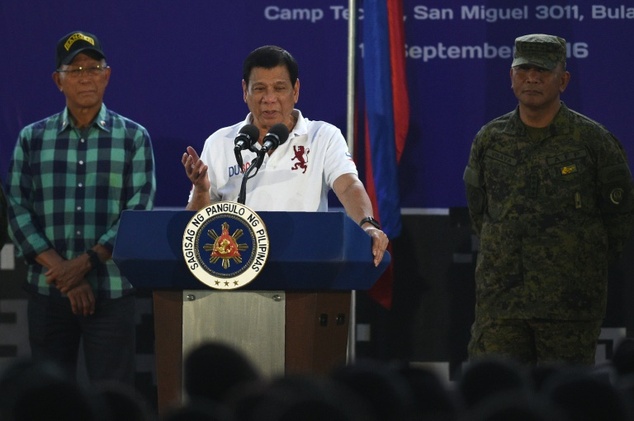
x=78, y=71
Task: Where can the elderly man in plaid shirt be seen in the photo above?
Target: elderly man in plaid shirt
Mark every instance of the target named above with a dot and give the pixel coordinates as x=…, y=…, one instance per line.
x=70, y=177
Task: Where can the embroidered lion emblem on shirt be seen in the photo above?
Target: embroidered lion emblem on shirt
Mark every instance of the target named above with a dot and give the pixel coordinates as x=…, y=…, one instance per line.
x=301, y=155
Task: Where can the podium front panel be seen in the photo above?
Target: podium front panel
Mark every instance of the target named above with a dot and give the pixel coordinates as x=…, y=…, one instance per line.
x=251, y=321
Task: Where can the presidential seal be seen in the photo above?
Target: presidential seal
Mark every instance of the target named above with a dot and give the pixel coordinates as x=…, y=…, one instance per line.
x=225, y=245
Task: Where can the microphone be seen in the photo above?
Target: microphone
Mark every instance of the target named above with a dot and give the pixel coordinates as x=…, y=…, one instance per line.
x=247, y=136
x=274, y=138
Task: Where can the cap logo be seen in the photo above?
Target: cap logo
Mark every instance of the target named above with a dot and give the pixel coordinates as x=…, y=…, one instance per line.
x=77, y=37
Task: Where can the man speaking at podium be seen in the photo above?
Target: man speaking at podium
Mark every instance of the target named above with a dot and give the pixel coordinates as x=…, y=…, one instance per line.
x=301, y=159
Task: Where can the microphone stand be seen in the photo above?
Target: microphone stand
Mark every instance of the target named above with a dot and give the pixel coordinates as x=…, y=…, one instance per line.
x=255, y=166
x=238, y=153
x=276, y=136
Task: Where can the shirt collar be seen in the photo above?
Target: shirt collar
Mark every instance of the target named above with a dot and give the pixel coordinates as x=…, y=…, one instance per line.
x=558, y=126
x=300, y=126
x=102, y=120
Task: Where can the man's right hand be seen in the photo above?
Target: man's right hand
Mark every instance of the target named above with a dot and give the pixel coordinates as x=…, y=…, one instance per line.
x=196, y=171
x=67, y=274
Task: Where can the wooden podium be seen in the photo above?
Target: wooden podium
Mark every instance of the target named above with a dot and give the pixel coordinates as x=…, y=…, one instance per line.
x=292, y=318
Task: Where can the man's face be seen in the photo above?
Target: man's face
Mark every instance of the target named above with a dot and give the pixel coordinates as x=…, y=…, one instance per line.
x=84, y=89
x=538, y=88
x=270, y=96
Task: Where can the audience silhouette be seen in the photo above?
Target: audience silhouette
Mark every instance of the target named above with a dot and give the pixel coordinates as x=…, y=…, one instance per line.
x=221, y=384
x=212, y=370
x=37, y=390
x=486, y=377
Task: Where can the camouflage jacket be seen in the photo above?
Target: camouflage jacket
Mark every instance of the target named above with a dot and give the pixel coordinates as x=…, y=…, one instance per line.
x=551, y=213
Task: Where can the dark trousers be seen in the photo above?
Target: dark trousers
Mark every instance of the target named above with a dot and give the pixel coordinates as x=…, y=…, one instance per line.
x=108, y=336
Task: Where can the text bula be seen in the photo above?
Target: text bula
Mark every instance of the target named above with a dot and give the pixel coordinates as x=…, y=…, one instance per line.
x=618, y=12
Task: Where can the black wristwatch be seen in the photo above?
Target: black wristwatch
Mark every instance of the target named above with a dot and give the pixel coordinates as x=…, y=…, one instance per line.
x=370, y=220
x=94, y=258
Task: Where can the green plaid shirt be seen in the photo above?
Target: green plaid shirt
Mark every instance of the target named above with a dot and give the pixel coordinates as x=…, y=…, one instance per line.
x=67, y=188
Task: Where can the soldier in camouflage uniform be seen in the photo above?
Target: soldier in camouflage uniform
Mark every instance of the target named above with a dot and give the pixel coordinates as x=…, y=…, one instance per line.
x=551, y=197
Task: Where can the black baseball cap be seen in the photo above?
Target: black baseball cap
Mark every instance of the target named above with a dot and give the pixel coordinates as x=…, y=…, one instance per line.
x=77, y=42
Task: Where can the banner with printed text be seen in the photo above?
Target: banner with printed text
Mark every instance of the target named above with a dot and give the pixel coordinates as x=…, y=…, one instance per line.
x=176, y=69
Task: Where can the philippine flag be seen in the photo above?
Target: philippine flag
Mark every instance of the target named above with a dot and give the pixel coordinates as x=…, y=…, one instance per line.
x=385, y=120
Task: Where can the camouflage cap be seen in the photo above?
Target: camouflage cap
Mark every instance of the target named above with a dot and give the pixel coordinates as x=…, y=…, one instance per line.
x=541, y=50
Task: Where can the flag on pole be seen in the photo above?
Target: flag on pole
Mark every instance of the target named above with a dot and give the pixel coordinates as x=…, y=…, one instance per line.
x=386, y=118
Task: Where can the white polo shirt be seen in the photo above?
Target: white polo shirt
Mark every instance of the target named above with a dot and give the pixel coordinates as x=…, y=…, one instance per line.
x=295, y=177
